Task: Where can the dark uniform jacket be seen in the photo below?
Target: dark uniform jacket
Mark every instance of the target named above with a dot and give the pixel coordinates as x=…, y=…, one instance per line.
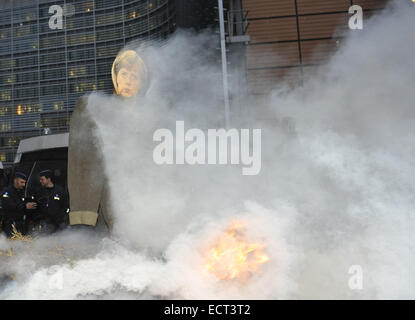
x=14, y=204
x=14, y=209
x=53, y=205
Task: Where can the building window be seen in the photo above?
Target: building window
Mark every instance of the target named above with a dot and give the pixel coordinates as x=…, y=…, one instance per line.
x=6, y=95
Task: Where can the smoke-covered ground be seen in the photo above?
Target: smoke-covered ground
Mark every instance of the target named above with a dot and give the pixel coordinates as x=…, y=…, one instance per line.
x=334, y=191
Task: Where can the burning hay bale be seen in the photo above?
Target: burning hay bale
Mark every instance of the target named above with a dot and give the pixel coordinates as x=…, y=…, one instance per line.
x=233, y=256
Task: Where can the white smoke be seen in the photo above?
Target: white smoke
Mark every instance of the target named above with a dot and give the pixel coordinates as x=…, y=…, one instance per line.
x=335, y=192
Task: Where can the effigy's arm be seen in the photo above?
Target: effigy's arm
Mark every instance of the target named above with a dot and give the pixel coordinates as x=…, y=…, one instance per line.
x=85, y=167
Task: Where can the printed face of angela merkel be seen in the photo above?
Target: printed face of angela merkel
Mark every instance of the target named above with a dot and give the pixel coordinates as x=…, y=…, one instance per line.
x=128, y=81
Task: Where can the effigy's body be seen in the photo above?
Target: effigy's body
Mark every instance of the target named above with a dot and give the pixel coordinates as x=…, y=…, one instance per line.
x=87, y=185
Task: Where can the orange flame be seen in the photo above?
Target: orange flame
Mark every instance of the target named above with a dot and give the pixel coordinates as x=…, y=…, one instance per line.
x=233, y=257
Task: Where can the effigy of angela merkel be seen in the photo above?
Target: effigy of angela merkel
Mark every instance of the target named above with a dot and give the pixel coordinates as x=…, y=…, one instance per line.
x=88, y=188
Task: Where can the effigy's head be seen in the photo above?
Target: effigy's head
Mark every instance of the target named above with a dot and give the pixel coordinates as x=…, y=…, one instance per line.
x=129, y=74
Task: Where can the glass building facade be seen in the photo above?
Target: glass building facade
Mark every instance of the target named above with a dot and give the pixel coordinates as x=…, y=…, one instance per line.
x=43, y=71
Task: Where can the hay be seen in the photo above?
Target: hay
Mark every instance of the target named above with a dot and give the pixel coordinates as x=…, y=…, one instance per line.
x=59, y=252
x=18, y=236
x=7, y=253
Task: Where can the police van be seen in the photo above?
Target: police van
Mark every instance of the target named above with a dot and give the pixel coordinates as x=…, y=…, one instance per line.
x=40, y=153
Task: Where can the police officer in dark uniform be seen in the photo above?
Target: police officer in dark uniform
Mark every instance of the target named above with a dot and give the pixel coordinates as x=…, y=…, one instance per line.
x=53, y=205
x=16, y=209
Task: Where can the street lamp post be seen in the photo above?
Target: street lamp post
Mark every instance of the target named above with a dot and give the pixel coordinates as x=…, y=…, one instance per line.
x=224, y=62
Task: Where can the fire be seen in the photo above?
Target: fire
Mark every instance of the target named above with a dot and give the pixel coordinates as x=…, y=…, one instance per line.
x=233, y=256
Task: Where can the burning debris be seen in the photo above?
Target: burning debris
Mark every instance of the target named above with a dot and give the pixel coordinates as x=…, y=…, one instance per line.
x=233, y=256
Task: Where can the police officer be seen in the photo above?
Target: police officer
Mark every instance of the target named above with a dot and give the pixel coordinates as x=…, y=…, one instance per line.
x=16, y=208
x=53, y=203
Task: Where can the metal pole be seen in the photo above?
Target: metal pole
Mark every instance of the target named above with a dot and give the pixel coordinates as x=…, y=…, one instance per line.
x=224, y=62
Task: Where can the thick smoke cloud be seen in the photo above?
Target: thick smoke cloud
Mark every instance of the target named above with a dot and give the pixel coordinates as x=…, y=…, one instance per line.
x=335, y=188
